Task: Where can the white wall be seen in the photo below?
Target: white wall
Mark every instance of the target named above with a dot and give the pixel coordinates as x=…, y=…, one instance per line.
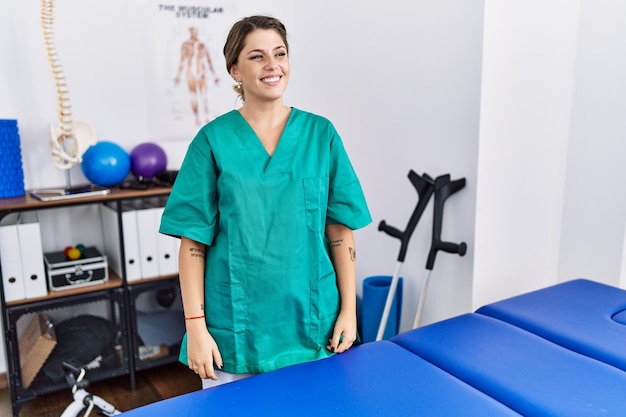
x=594, y=208
x=528, y=74
x=551, y=204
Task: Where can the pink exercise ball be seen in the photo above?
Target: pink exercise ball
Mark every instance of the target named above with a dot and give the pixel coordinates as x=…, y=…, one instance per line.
x=147, y=160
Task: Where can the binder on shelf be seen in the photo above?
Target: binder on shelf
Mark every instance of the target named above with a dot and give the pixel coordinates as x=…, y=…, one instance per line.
x=111, y=234
x=32, y=260
x=148, y=243
x=21, y=255
x=168, y=247
x=10, y=259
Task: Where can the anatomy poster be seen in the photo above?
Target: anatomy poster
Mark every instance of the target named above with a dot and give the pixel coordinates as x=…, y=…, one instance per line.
x=187, y=84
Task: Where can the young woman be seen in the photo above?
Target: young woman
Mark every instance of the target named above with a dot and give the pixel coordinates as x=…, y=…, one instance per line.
x=265, y=203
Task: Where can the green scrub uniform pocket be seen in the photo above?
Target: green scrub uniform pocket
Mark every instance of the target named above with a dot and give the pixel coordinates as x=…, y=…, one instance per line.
x=324, y=309
x=315, y=201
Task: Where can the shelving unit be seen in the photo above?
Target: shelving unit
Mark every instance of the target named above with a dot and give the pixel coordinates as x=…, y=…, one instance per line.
x=126, y=309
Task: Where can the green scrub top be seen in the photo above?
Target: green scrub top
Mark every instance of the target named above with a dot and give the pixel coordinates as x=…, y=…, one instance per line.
x=271, y=296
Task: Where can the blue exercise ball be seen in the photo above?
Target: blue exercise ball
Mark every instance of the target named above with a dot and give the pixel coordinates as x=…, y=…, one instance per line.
x=147, y=160
x=105, y=164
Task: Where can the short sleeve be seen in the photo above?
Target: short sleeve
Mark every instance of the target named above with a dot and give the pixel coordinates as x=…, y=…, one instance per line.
x=191, y=210
x=346, y=201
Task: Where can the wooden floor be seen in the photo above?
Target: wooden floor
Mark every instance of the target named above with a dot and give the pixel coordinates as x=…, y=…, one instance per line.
x=152, y=385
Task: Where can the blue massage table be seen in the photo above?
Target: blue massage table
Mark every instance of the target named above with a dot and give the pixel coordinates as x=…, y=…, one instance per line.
x=559, y=351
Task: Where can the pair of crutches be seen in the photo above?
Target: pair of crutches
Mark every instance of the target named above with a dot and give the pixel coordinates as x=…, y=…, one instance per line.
x=442, y=187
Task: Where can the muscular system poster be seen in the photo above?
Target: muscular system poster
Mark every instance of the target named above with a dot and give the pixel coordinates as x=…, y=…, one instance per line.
x=187, y=84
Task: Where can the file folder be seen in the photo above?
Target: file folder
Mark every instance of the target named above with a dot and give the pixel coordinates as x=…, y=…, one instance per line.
x=148, y=242
x=10, y=259
x=112, y=242
x=34, y=272
x=168, y=247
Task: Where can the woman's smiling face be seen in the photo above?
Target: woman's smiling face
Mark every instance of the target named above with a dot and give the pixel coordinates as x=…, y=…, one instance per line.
x=263, y=66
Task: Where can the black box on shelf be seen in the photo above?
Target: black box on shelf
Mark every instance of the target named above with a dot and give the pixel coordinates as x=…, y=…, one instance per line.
x=64, y=274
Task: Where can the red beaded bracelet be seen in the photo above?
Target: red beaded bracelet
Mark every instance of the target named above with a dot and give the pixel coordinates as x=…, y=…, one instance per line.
x=193, y=318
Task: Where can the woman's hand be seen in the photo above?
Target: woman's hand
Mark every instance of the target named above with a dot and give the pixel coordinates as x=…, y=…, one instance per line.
x=203, y=355
x=344, y=332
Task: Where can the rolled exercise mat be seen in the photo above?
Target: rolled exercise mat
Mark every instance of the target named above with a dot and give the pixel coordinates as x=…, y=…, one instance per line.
x=12, y=184
x=375, y=290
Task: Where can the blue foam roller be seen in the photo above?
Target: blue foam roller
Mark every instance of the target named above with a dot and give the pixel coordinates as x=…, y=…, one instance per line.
x=375, y=290
x=12, y=184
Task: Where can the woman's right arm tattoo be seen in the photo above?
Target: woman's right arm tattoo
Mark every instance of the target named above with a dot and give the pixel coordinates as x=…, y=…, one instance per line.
x=197, y=252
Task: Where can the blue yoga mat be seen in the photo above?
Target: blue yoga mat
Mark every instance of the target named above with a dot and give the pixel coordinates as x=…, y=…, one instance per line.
x=375, y=290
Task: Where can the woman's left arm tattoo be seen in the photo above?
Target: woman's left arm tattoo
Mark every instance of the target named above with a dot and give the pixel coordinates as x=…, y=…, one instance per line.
x=336, y=243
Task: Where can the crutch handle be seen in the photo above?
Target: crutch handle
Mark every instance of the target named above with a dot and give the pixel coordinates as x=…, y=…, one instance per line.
x=425, y=187
x=390, y=230
x=460, y=248
x=444, y=188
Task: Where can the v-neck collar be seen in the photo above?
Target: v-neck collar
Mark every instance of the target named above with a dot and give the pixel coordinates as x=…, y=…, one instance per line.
x=279, y=161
